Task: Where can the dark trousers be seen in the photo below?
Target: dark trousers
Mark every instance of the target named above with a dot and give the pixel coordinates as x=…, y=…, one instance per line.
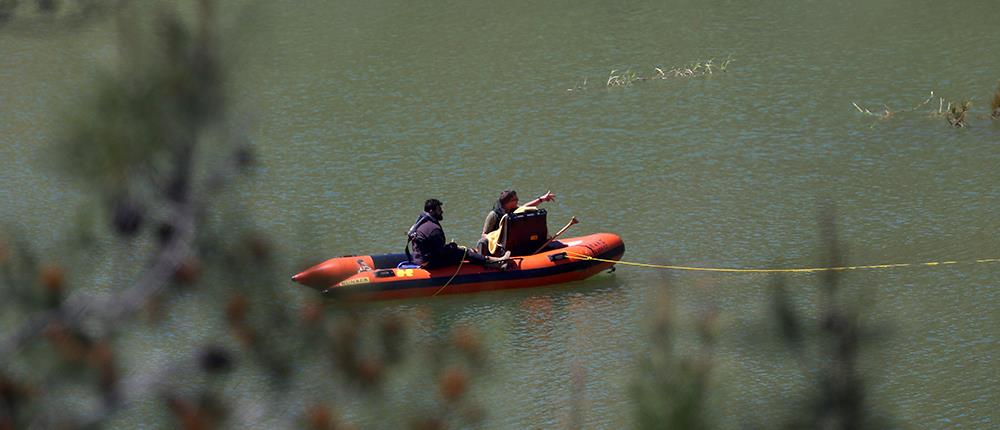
x=451, y=255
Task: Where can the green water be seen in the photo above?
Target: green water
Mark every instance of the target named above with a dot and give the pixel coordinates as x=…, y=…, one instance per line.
x=361, y=111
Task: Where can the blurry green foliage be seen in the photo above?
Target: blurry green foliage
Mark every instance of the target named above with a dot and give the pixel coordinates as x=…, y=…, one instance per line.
x=134, y=140
x=151, y=139
x=672, y=389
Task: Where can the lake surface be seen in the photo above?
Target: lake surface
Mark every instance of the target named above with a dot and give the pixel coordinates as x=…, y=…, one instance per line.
x=362, y=110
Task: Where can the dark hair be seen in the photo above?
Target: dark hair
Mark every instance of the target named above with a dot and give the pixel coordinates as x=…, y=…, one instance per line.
x=506, y=195
x=431, y=204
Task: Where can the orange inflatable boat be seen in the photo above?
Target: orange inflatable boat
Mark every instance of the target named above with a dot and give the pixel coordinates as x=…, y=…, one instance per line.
x=387, y=276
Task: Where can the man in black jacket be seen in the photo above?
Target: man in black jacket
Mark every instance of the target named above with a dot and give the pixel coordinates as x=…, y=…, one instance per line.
x=431, y=250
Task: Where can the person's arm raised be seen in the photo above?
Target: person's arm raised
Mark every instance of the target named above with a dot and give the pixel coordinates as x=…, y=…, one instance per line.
x=547, y=197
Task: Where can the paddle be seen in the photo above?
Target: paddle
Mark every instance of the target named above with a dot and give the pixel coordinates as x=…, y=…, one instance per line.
x=560, y=232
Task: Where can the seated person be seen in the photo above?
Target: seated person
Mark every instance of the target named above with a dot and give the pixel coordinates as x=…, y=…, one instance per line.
x=430, y=249
x=505, y=205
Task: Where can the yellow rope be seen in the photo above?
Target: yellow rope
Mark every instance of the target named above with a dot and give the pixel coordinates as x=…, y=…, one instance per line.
x=793, y=270
x=460, y=263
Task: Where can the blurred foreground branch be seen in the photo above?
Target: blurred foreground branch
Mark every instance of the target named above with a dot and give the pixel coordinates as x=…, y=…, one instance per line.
x=673, y=387
x=153, y=145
